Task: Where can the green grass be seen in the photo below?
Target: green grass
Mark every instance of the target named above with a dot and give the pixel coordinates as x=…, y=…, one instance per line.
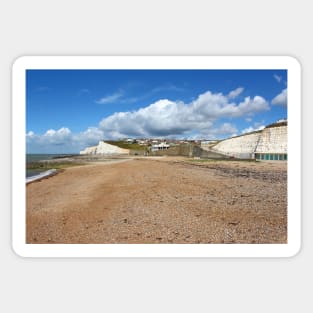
x=51, y=165
x=124, y=145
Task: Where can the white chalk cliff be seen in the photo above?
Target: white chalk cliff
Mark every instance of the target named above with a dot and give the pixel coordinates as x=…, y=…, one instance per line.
x=104, y=148
x=269, y=140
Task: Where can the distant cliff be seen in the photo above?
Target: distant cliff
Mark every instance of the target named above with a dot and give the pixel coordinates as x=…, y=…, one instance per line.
x=104, y=148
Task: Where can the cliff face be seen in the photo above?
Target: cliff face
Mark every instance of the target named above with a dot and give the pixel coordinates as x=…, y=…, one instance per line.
x=268, y=140
x=273, y=140
x=89, y=150
x=104, y=148
x=239, y=147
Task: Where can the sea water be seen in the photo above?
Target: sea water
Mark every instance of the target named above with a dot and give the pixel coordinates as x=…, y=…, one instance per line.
x=40, y=157
x=40, y=175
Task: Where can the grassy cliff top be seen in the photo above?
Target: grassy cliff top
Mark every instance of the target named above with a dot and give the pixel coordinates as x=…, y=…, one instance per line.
x=124, y=145
x=279, y=124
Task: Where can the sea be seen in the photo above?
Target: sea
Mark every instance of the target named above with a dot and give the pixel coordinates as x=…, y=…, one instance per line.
x=33, y=173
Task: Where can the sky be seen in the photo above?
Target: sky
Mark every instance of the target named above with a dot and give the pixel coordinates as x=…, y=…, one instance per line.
x=68, y=110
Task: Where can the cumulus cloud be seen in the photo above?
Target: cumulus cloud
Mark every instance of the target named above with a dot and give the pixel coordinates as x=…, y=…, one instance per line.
x=62, y=140
x=30, y=134
x=57, y=135
x=250, y=129
x=89, y=137
x=166, y=117
x=235, y=93
x=163, y=118
x=226, y=128
x=222, y=131
x=110, y=98
x=216, y=131
x=281, y=99
x=51, y=139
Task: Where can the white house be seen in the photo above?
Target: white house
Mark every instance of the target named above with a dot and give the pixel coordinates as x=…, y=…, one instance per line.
x=160, y=146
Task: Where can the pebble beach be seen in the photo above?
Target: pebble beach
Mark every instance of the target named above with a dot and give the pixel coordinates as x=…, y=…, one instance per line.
x=160, y=200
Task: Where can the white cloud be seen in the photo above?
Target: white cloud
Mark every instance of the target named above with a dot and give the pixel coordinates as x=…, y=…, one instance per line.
x=223, y=131
x=277, y=78
x=166, y=117
x=88, y=137
x=281, y=99
x=226, y=128
x=163, y=118
x=235, y=93
x=154, y=91
x=110, y=98
x=57, y=136
x=30, y=134
x=252, y=128
x=62, y=140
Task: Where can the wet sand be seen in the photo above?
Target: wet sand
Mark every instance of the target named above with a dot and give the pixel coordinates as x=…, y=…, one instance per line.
x=162, y=200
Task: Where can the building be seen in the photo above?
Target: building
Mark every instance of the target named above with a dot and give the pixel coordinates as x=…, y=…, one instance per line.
x=160, y=146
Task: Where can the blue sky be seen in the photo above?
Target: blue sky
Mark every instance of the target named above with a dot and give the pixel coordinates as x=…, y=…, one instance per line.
x=67, y=110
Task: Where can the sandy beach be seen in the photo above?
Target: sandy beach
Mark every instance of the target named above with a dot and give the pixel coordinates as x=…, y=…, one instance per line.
x=162, y=200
